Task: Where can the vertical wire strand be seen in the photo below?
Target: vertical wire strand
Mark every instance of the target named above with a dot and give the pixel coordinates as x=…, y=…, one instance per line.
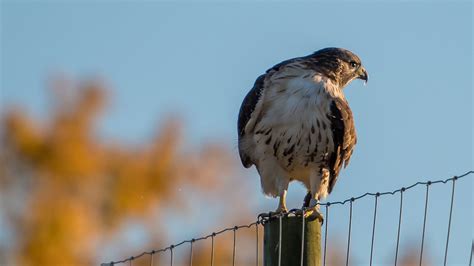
x=279, y=242
x=212, y=249
x=326, y=233
x=349, y=235
x=302, y=237
x=449, y=222
x=373, y=228
x=399, y=224
x=130, y=261
x=171, y=251
x=151, y=257
x=191, y=253
x=424, y=221
x=233, y=250
x=256, y=244
x=472, y=251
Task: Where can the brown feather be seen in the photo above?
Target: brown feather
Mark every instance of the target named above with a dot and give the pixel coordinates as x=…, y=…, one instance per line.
x=344, y=137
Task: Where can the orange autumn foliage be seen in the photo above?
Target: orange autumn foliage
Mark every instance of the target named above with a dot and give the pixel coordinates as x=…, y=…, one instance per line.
x=72, y=191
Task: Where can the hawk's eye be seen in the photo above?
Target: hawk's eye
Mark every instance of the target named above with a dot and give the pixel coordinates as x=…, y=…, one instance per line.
x=354, y=64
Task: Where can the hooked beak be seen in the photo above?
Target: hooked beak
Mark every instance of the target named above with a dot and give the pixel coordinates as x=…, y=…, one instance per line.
x=363, y=74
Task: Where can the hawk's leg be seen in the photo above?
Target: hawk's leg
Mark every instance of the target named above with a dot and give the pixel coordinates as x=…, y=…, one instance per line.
x=282, y=203
x=274, y=180
x=306, y=200
x=315, y=186
x=313, y=213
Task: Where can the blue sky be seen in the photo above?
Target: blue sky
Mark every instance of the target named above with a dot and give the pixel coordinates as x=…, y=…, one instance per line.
x=414, y=119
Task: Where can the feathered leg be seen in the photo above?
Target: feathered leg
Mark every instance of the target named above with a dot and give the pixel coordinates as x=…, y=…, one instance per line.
x=274, y=181
x=315, y=184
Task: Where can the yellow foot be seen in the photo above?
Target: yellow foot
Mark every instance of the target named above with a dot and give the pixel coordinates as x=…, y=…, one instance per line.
x=313, y=213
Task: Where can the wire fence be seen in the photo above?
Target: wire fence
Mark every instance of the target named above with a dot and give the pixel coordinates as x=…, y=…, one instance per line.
x=264, y=218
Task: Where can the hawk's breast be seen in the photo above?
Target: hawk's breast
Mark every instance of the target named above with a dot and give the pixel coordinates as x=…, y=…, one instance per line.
x=294, y=126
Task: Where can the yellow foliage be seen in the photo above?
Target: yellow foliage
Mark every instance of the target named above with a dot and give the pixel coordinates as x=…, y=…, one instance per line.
x=78, y=190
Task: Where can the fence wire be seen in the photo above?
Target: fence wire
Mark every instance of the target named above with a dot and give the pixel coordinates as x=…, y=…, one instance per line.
x=264, y=218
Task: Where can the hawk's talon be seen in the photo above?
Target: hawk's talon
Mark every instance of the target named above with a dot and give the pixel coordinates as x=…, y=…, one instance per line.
x=313, y=213
x=277, y=212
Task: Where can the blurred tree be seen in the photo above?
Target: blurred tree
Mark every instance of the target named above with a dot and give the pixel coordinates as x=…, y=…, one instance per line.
x=64, y=191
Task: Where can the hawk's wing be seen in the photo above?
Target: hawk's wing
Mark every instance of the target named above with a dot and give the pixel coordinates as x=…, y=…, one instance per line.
x=251, y=107
x=344, y=136
x=248, y=115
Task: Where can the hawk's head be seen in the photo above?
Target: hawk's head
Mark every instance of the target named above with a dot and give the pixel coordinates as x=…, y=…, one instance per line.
x=340, y=65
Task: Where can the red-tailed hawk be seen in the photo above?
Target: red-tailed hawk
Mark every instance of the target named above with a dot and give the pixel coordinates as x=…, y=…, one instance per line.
x=295, y=124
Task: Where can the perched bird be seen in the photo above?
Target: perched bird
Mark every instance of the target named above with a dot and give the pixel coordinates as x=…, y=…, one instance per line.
x=296, y=124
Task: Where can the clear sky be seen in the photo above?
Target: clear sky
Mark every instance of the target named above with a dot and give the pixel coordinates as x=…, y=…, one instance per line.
x=414, y=118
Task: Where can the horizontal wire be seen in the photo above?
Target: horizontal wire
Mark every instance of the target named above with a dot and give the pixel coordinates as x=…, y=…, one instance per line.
x=265, y=217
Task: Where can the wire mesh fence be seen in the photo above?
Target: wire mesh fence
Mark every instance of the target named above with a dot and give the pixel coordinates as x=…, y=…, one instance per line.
x=264, y=218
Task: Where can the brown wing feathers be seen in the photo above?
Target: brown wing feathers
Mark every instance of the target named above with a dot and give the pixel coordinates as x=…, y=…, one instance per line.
x=344, y=136
x=246, y=110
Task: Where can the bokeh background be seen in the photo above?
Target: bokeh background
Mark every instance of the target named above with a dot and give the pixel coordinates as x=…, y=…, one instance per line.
x=118, y=125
